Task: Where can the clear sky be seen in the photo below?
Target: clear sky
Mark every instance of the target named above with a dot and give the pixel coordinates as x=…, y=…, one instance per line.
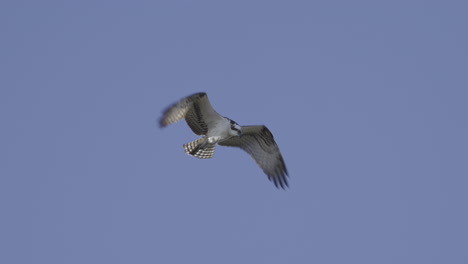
x=367, y=101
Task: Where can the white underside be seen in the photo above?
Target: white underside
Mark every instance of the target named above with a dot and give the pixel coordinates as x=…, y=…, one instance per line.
x=218, y=130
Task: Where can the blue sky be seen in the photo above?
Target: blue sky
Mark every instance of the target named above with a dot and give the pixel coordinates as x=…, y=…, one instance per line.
x=367, y=101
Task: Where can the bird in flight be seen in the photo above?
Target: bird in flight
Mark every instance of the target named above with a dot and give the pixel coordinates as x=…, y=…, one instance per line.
x=204, y=121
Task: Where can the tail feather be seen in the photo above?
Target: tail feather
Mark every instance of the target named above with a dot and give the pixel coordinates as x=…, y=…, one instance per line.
x=200, y=148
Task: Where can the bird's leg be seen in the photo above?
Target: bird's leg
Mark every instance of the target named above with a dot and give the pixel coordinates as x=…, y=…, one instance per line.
x=213, y=140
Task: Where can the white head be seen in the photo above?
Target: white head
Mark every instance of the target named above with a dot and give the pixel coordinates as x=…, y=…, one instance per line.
x=235, y=129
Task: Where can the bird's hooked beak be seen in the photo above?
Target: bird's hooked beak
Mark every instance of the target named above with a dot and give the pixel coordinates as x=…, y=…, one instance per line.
x=240, y=133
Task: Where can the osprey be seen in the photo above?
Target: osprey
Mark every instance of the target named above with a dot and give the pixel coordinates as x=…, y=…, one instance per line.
x=216, y=129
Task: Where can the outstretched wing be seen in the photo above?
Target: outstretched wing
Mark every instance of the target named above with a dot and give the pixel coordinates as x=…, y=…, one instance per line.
x=260, y=144
x=196, y=109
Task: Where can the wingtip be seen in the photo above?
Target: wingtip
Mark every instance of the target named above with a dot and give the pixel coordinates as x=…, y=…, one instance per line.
x=161, y=123
x=279, y=181
x=284, y=184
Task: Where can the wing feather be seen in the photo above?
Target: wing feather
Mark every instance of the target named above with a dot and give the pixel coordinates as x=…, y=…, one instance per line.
x=196, y=109
x=261, y=146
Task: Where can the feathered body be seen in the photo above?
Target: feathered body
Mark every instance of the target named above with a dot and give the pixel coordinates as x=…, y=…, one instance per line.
x=204, y=121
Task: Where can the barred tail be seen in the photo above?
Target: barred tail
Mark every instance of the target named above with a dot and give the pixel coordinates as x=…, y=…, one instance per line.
x=200, y=148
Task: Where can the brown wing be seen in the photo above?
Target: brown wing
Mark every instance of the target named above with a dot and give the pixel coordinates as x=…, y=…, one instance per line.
x=260, y=144
x=196, y=109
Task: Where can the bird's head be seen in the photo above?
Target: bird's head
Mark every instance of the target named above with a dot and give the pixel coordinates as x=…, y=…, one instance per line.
x=235, y=130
